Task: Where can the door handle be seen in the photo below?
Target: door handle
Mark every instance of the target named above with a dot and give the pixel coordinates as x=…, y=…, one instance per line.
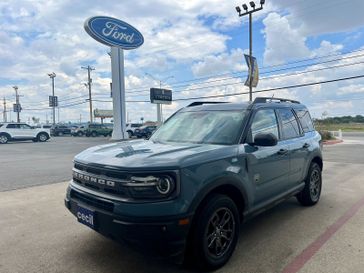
x=282, y=151
x=306, y=145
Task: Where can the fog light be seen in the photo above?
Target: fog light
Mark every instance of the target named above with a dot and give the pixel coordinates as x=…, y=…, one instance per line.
x=164, y=185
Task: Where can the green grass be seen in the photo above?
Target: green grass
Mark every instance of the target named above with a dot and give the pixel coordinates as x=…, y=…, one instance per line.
x=345, y=127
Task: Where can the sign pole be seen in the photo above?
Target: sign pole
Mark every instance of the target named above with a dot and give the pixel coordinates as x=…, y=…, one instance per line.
x=118, y=93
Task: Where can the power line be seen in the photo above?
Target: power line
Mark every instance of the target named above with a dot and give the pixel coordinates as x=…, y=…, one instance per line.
x=262, y=73
x=273, y=89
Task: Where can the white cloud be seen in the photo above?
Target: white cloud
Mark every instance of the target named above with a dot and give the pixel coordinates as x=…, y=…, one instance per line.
x=221, y=63
x=351, y=89
x=282, y=41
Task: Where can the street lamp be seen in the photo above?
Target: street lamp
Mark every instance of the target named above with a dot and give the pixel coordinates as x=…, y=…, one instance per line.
x=52, y=76
x=247, y=12
x=159, y=106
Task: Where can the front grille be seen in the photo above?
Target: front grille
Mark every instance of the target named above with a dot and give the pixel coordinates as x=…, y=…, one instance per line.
x=94, y=202
x=101, y=171
x=94, y=174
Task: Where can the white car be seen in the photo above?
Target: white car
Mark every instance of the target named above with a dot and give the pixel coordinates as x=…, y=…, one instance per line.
x=12, y=131
x=130, y=128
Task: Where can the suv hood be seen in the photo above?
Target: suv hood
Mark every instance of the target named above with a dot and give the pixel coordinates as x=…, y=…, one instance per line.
x=148, y=154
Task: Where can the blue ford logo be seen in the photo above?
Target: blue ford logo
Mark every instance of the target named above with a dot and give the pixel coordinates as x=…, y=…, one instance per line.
x=113, y=32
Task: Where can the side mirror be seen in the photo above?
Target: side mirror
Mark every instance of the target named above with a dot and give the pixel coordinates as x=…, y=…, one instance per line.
x=265, y=140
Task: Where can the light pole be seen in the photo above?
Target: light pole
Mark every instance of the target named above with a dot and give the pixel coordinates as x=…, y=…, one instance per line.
x=52, y=76
x=89, y=81
x=159, y=106
x=17, y=103
x=246, y=12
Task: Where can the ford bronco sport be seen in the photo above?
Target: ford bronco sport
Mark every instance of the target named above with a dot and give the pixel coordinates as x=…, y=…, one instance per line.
x=209, y=167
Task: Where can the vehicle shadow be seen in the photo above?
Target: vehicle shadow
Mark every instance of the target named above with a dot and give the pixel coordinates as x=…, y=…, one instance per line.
x=253, y=252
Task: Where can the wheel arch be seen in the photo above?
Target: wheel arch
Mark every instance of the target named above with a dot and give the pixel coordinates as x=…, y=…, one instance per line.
x=5, y=134
x=229, y=187
x=319, y=161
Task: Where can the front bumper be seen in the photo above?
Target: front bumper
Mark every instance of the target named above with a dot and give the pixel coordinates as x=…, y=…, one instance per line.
x=161, y=236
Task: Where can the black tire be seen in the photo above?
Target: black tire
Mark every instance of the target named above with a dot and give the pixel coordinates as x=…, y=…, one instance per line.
x=42, y=137
x=4, y=138
x=311, y=193
x=130, y=134
x=60, y=134
x=94, y=134
x=217, y=226
x=80, y=134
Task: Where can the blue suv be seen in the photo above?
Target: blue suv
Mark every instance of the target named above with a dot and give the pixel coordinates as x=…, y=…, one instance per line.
x=211, y=166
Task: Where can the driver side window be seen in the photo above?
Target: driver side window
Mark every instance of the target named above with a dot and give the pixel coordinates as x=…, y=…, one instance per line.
x=264, y=122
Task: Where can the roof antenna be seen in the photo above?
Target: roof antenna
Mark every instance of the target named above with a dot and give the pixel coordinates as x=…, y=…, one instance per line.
x=271, y=98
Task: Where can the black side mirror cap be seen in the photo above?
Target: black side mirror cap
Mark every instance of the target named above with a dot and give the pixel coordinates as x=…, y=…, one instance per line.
x=265, y=140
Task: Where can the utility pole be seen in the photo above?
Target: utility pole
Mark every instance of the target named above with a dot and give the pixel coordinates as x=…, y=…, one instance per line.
x=4, y=112
x=17, y=103
x=159, y=106
x=89, y=69
x=52, y=76
x=245, y=7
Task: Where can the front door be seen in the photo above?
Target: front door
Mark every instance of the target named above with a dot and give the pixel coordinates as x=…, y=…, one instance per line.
x=268, y=167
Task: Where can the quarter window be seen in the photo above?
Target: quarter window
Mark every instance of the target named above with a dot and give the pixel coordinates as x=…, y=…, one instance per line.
x=290, y=128
x=265, y=121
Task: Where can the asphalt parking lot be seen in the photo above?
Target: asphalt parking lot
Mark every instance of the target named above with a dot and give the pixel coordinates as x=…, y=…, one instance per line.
x=37, y=234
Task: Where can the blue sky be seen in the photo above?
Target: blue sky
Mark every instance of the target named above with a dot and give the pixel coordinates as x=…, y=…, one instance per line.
x=200, y=43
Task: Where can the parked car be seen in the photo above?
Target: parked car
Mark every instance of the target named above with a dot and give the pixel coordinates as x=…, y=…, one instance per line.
x=60, y=130
x=11, y=131
x=130, y=128
x=211, y=166
x=78, y=130
x=145, y=131
x=96, y=129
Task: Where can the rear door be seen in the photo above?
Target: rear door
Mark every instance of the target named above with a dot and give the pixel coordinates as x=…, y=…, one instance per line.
x=293, y=135
x=14, y=130
x=268, y=167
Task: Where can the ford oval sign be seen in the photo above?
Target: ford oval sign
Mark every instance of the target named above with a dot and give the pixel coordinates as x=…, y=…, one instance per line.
x=113, y=32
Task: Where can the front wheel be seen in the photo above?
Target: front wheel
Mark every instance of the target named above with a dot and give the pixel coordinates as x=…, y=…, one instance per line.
x=311, y=193
x=94, y=134
x=42, y=137
x=215, y=234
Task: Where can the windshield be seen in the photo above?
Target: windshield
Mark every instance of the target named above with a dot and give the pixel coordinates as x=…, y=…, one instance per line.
x=210, y=127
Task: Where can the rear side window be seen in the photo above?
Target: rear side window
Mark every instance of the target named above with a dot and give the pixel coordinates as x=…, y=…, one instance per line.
x=290, y=128
x=305, y=120
x=12, y=126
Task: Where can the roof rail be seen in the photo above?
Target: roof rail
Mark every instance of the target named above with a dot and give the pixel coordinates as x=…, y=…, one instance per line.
x=197, y=103
x=270, y=99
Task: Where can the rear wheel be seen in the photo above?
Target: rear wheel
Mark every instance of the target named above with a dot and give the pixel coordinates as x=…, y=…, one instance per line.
x=215, y=234
x=94, y=134
x=311, y=193
x=4, y=139
x=80, y=134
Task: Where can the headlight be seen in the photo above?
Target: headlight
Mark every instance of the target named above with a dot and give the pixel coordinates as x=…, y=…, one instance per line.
x=152, y=186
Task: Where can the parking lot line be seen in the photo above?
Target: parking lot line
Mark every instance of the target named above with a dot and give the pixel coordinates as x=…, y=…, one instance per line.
x=300, y=260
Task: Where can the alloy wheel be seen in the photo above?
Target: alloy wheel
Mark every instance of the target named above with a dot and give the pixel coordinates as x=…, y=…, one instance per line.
x=219, y=232
x=315, y=185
